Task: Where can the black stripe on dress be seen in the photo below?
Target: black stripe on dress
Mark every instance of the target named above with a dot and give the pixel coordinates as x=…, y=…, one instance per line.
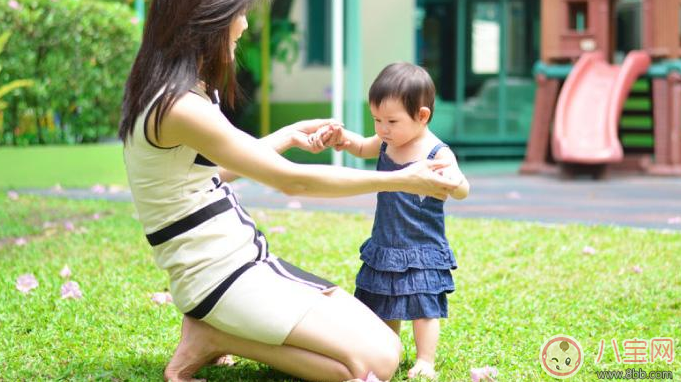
x=203, y=161
x=190, y=221
x=298, y=275
x=209, y=302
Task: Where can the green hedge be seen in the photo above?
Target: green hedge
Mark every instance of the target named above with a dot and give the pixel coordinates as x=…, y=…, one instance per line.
x=79, y=53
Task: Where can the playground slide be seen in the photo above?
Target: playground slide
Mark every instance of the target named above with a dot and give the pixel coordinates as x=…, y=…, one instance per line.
x=589, y=108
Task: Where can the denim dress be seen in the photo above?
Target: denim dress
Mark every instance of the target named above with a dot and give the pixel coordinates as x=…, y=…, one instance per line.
x=407, y=260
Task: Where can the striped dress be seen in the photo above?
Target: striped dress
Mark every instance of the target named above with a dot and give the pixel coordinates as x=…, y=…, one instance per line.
x=218, y=262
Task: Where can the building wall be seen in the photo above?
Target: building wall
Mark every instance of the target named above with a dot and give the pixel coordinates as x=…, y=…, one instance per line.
x=387, y=37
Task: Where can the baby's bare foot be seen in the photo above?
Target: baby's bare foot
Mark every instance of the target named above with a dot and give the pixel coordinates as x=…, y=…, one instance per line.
x=422, y=369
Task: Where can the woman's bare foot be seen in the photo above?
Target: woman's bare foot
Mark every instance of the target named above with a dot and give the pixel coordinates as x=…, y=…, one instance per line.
x=422, y=369
x=225, y=360
x=196, y=349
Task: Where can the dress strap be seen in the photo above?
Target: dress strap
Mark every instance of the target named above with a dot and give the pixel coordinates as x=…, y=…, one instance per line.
x=383, y=147
x=436, y=149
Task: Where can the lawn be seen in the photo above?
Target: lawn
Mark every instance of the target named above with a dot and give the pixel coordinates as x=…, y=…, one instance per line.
x=83, y=166
x=517, y=285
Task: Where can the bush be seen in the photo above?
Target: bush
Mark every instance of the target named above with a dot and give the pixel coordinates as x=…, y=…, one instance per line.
x=79, y=53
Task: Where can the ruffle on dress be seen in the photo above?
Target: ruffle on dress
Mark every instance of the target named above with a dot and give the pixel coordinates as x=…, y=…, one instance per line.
x=408, y=307
x=411, y=281
x=393, y=259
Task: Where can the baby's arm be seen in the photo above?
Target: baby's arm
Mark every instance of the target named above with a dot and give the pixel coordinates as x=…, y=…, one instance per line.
x=453, y=172
x=352, y=142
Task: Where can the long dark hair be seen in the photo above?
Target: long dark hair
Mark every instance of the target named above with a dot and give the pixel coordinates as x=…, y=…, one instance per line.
x=184, y=42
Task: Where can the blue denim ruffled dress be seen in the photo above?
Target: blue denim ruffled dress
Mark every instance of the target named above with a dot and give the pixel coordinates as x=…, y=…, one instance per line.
x=407, y=260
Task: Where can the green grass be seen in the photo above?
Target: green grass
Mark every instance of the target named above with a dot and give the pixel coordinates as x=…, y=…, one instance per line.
x=83, y=166
x=518, y=284
x=71, y=166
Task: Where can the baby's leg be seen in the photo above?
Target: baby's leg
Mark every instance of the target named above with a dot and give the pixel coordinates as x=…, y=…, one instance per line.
x=426, y=334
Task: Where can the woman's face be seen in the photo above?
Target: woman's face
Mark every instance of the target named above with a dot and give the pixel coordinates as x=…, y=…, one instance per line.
x=238, y=26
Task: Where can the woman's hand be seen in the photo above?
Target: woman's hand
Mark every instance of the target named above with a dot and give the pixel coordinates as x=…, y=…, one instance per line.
x=424, y=178
x=314, y=135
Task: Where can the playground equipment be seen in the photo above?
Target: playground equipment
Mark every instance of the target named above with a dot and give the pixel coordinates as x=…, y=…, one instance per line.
x=578, y=116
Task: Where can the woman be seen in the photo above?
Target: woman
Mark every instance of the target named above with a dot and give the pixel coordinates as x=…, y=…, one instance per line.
x=179, y=151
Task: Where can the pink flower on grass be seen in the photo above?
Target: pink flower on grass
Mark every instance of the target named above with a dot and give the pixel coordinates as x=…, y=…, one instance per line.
x=69, y=226
x=20, y=242
x=134, y=20
x=294, y=204
x=162, y=298
x=588, y=250
x=277, y=229
x=96, y=216
x=637, y=269
x=65, y=272
x=14, y=4
x=71, y=289
x=486, y=373
x=12, y=195
x=26, y=282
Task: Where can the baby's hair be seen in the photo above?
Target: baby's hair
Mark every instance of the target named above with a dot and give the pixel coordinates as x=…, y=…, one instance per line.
x=409, y=83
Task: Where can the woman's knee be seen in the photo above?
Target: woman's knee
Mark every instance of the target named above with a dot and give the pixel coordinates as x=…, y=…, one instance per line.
x=380, y=357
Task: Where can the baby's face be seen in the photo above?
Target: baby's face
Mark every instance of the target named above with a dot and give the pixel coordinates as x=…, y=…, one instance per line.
x=562, y=357
x=393, y=124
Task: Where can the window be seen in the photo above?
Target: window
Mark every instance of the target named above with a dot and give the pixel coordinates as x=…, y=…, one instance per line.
x=577, y=11
x=319, y=32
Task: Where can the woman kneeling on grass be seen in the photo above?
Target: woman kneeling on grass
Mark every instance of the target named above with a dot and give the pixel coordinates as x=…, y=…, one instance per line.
x=180, y=152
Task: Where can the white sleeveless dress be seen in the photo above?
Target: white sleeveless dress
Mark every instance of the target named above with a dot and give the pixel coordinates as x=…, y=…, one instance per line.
x=218, y=262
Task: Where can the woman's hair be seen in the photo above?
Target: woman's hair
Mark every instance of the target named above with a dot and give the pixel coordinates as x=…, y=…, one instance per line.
x=406, y=82
x=184, y=42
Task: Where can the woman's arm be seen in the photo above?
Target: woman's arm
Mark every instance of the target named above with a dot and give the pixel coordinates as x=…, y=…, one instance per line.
x=193, y=122
x=295, y=135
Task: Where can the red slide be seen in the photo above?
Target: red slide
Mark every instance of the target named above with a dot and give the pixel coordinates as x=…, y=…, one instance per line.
x=589, y=108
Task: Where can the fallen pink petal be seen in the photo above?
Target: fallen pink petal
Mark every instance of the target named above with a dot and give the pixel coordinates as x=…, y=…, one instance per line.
x=69, y=226
x=486, y=373
x=26, y=282
x=19, y=242
x=587, y=250
x=96, y=216
x=278, y=229
x=674, y=220
x=162, y=298
x=65, y=272
x=14, y=4
x=294, y=204
x=98, y=189
x=71, y=289
x=637, y=269
x=513, y=195
x=372, y=378
x=12, y=195
x=134, y=20
x=115, y=189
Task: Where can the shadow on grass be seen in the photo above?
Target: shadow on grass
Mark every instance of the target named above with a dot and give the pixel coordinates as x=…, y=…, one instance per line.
x=140, y=369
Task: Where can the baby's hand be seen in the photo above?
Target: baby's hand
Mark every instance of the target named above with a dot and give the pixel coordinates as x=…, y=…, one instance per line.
x=329, y=136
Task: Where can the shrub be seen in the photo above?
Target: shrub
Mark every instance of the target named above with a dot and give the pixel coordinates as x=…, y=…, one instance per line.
x=79, y=53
